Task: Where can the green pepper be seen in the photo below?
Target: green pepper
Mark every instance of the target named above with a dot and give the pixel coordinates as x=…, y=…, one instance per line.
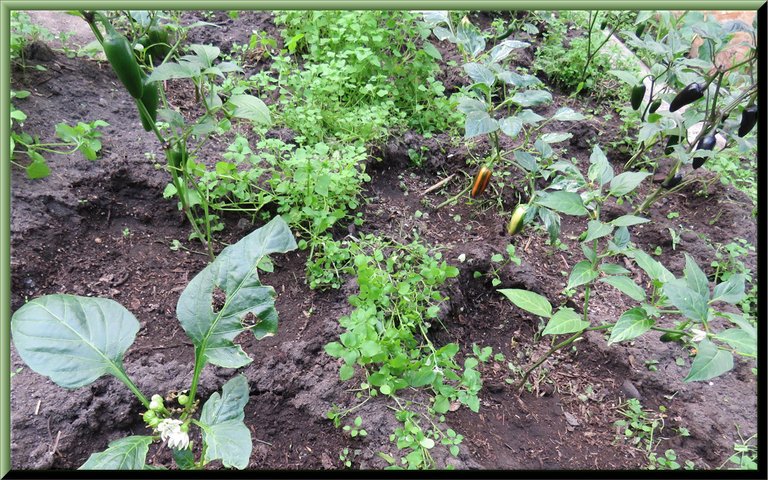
x=158, y=42
x=516, y=222
x=640, y=29
x=120, y=55
x=686, y=96
x=150, y=99
x=177, y=156
x=638, y=92
x=654, y=106
x=671, y=337
x=748, y=120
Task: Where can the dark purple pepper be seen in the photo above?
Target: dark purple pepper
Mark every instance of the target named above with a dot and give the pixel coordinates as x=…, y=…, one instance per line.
x=654, y=106
x=748, y=120
x=686, y=96
x=672, y=140
x=707, y=143
x=698, y=161
x=673, y=182
x=638, y=92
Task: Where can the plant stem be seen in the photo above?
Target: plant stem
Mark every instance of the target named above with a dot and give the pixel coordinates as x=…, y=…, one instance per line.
x=120, y=374
x=557, y=347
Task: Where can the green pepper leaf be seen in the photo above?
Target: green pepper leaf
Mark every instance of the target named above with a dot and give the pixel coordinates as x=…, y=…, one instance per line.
x=73, y=340
x=730, y=291
x=247, y=304
x=597, y=229
x=627, y=286
x=632, y=323
x=129, y=453
x=709, y=362
x=581, y=273
x=742, y=341
x=529, y=301
x=695, y=278
x=624, y=183
x=689, y=302
x=224, y=433
x=564, y=202
x=564, y=321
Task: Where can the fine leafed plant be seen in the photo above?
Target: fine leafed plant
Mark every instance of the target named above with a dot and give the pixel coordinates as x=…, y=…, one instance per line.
x=76, y=340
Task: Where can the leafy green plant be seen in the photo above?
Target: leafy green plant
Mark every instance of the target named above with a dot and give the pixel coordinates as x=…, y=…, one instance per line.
x=710, y=91
x=75, y=340
x=689, y=296
x=83, y=138
x=580, y=65
x=356, y=429
x=24, y=31
x=178, y=137
x=744, y=453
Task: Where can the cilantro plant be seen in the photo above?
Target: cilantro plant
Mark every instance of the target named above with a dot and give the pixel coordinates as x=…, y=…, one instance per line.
x=387, y=339
x=75, y=340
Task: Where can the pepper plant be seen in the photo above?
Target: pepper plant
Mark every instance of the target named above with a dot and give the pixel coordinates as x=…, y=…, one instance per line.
x=76, y=340
x=711, y=91
x=688, y=297
x=181, y=140
x=513, y=116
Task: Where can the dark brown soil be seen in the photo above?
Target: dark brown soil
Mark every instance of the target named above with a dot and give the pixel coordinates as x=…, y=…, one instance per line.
x=103, y=229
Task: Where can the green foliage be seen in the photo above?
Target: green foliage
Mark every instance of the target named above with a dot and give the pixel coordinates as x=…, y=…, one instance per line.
x=83, y=137
x=581, y=61
x=76, y=340
x=361, y=74
x=24, y=31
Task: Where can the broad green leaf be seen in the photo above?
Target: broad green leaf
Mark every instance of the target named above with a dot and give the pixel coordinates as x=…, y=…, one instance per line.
x=626, y=77
x=564, y=321
x=470, y=38
x=566, y=114
x=654, y=269
x=247, y=304
x=582, y=273
x=531, y=98
x=742, y=322
x=695, y=278
x=170, y=70
x=600, y=169
x=740, y=340
x=589, y=252
x=480, y=73
x=510, y=126
x=632, y=323
x=529, y=117
x=185, y=459
x=205, y=53
x=628, y=221
x=597, y=229
x=73, y=340
x=129, y=453
x=335, y=349
x=551, y=221
x=502, y=50
x=224, y=433
x=250, y=108
x=620, y=239
x=479, y=123
x=627, y=286
x=469, y=105
x=432, y=51
x=37, y=168
x=529, y=301
x=613, y=269
x=564, y=202
x=526, y=160
x=555, y=137
x=730, y=291
x=689, y=302
x=624, y=183
x=709, y=362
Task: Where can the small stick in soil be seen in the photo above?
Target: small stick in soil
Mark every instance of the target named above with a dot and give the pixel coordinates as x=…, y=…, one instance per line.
x=37, y=408
x=262, y=441
x=438, y=184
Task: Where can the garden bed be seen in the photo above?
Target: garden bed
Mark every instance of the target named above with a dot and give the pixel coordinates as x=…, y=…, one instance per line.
x=103, y=228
